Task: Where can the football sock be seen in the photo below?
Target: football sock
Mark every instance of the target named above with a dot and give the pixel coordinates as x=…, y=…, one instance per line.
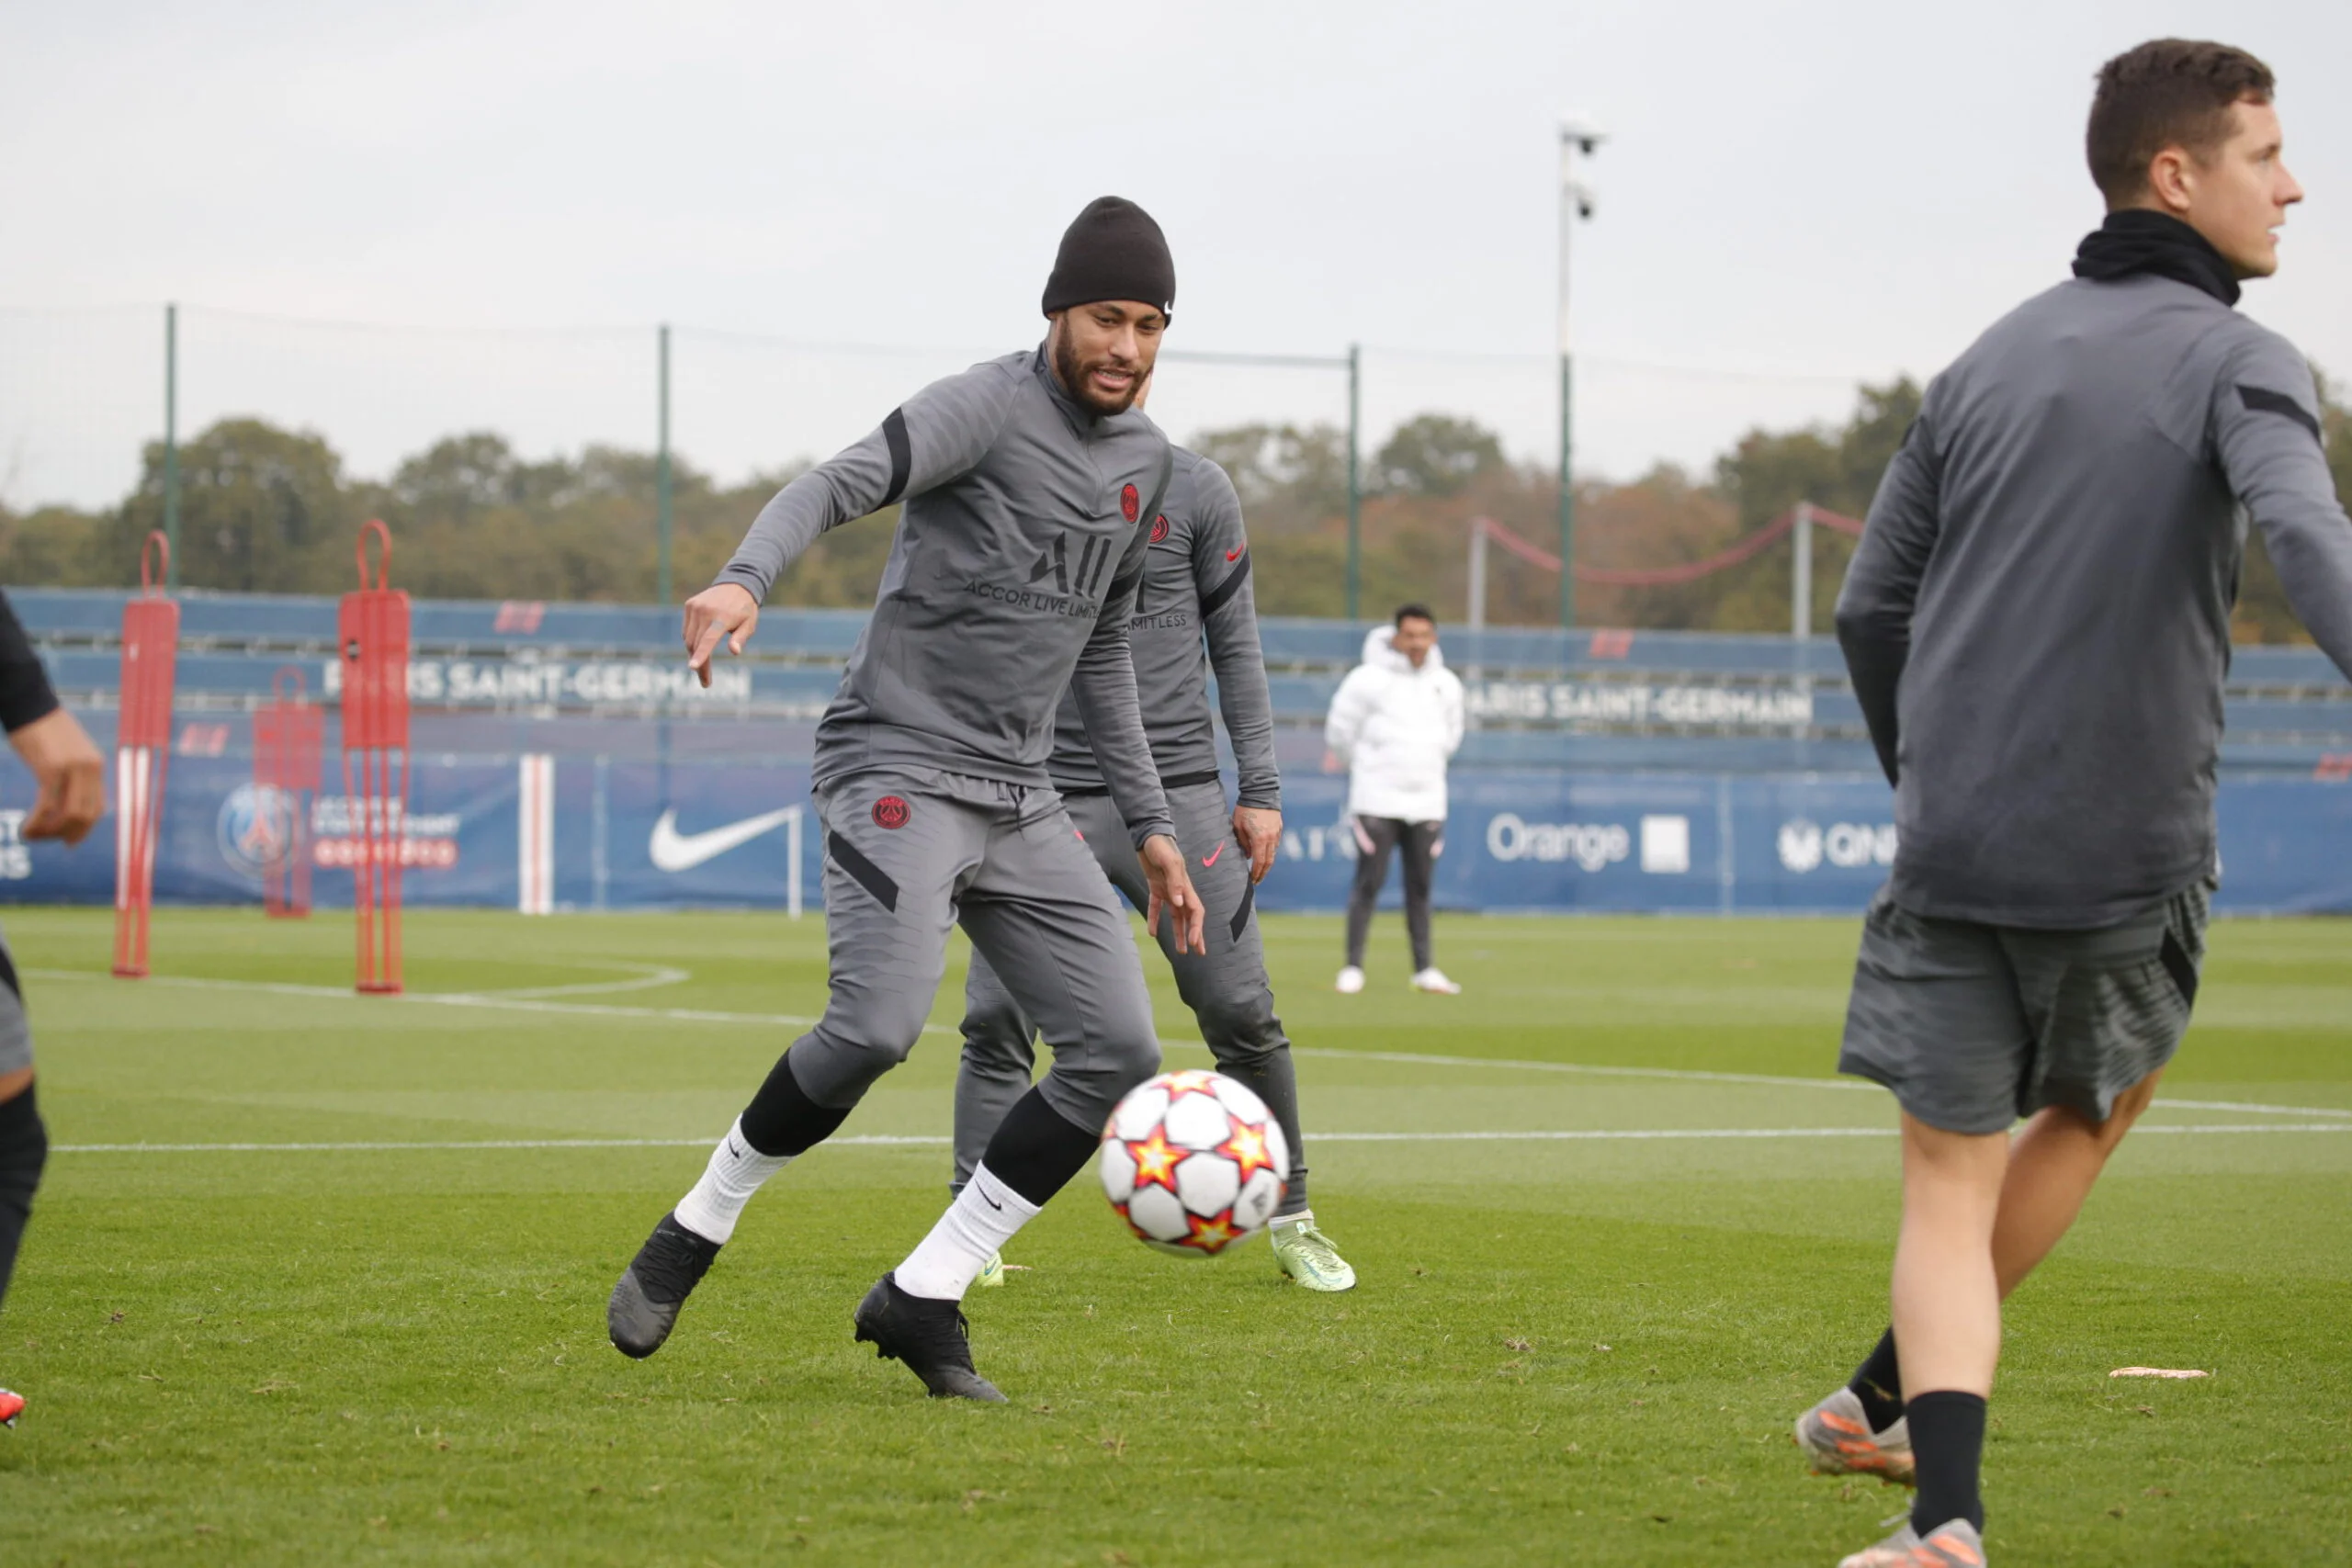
x=735, y=1172
x=783, y=1120
x=24, y=1148
x=983, y=1217
x=1948, y=1446
x=1878, y=1383
x=1036, y=1150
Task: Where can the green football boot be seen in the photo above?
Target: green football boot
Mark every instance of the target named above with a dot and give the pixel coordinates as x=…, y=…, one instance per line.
x=991, y=1272
x=1306, y=1255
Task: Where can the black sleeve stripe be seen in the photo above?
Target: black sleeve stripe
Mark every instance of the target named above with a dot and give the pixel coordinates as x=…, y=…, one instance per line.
x=2262, y=399
x=1215, y=599
x=871, y=877
x=903, y=456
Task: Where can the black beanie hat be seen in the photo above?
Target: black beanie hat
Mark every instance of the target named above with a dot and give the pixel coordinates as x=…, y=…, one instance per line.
x=1113, y=251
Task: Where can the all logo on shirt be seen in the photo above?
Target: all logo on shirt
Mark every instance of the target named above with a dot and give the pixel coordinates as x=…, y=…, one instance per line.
x=1130, y=503
x=1159, y=529
x=1094, y=557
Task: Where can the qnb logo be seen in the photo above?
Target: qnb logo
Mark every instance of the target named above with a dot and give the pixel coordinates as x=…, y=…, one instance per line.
x=1804, y=846
x=1593, y=846
x=1093, y=559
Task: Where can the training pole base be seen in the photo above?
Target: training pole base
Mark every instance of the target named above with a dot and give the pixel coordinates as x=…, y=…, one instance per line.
x=129, y=972
x=379, y=988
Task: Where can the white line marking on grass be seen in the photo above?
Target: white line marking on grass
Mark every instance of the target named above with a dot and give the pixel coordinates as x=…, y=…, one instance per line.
x=649, y=978
x=530, y=1002
x=893, y=1141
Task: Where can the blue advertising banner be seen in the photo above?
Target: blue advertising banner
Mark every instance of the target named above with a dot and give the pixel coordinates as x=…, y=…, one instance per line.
x=616, y=833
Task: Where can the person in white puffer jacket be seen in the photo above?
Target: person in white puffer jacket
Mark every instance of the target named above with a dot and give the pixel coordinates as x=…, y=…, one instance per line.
x=1395, y=721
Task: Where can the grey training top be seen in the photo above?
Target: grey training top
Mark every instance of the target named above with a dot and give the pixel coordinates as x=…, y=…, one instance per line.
x=1011, y=578
x=1195, y=581
x=2038, y=617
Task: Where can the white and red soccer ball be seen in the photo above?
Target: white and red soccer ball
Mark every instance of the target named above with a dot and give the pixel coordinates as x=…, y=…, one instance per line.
x=1193, y=1162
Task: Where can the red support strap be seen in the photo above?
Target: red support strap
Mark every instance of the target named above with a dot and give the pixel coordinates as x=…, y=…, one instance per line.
x=1665, y=576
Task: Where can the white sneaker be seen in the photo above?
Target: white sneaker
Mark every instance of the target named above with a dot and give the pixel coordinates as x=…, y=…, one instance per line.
x=1433, y=979
x=1350, y=981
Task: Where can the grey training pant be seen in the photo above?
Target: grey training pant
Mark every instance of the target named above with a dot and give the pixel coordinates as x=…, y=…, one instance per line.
x=911, y=852
x=16, y=1036
x=1227, y=989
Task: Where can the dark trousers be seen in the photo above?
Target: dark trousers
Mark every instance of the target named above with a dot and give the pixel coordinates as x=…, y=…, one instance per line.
x=1376, y=838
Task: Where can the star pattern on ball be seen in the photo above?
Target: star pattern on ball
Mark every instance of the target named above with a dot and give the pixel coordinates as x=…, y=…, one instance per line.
x=1156, y=1161
x=1192, y=1081
x=1211, y=1235
x=1247, y=1149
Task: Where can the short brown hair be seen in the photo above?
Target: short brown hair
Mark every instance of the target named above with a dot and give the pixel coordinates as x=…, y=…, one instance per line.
x=2167, y=92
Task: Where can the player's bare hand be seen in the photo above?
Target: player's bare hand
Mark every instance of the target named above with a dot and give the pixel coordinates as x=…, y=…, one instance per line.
x=70, y=773
x=1260, y=833
x=721, y=611
x=1171, y=890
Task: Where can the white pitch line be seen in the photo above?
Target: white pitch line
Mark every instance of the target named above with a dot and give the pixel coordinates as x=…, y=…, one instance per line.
x=1573, y=1136
x=520, y=1003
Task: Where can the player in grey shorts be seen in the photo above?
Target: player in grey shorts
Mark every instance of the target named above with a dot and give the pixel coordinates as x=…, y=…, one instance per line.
x=2037, y=625
x=1195, y=615
x=1026, y=482
x=69, y=782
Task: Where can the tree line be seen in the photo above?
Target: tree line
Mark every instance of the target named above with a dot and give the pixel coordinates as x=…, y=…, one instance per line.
x=269, y=509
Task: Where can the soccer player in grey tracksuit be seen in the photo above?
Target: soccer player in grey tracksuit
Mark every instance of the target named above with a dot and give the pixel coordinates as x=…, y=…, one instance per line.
x=1025, y=484
x=1194, y=613
x=69, y=774
x=2037, y=623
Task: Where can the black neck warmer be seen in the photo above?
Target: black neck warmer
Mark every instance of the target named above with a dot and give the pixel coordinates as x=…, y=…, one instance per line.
x=2136, y=240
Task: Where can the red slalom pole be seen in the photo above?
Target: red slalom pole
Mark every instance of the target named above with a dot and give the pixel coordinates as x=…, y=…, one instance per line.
x=289, y=736
x=372, y=638
x=143, y=750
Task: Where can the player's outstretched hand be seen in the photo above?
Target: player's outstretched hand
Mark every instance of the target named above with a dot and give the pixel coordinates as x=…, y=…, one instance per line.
x=722, y=610
x=1172, y=889
x=70, y=773
x=1260, y=833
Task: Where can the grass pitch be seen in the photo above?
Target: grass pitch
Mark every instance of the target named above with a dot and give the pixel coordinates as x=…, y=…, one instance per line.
x=375, y=1333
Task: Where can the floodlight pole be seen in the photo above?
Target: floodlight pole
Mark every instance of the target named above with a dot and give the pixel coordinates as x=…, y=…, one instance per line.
x=1576, y=202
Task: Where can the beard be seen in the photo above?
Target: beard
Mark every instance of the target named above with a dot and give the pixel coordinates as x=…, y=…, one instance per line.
x=1073, y=379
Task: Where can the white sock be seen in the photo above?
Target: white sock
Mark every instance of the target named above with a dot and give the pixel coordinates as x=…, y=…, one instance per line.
x=983, y=1217
x=735, y=1172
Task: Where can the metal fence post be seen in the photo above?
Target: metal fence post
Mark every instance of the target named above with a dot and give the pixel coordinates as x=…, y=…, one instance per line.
x=1355, y=484
x=661, y=475
x=1801, y=573
x=172, y=447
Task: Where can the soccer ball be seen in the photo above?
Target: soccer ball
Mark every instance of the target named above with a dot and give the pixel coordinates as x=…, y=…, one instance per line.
x=1193, y=1162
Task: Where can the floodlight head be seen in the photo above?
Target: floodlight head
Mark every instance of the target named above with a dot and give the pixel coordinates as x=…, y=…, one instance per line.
x=1583, y=135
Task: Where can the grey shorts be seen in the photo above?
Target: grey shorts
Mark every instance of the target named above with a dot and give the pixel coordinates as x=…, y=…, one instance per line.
x=16, y=1036
x=1973, y=1026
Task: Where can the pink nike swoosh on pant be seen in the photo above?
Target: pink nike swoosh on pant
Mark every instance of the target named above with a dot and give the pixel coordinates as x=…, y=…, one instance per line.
x=1211, y=859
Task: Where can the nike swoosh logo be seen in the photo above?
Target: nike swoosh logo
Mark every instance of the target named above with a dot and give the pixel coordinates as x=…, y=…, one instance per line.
x=1211, y=859
x=988, y=1200
x=1235, y=554
x=673, y=851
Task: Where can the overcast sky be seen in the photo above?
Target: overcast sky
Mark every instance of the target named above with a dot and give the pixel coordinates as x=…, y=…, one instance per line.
x=1792, y=196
